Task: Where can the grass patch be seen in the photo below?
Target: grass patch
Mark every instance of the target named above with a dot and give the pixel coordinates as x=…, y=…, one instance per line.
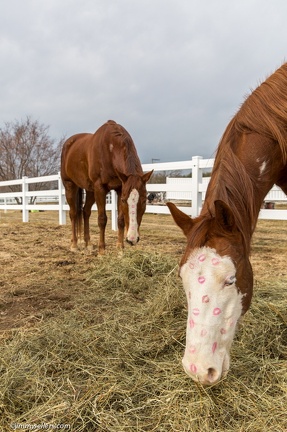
x=113, y=362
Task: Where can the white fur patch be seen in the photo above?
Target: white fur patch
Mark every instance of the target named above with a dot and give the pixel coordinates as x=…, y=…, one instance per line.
x=262, y=167
x=214, y=308
x=132, y=234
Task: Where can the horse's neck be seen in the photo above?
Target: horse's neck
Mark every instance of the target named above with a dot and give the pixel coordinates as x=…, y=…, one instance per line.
x=244, y=199
x=243, y=174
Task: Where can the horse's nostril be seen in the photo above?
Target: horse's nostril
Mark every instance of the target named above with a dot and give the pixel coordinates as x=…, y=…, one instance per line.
x=211, y=372
x=212, y=375
x=132, y=243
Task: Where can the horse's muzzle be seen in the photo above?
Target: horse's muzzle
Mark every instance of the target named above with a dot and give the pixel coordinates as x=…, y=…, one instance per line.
x=131, y=242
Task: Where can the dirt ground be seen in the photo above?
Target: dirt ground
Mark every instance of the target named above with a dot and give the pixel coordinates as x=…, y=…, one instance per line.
x=96, y=342
x=40, y=276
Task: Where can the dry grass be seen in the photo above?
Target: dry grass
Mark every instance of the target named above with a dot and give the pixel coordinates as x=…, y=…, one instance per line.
x=105, y=354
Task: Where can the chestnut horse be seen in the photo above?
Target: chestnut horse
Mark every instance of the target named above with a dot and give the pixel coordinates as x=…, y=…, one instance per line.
x=98, y=163
x=215, y=268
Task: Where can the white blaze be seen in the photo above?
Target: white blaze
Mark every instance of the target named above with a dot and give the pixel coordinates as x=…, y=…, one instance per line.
x=214, y=307
x=132, y=234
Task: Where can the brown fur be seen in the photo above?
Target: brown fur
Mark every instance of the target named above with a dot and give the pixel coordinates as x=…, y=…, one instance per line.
x=265, y=110
x=98, y=163
x=251, y=157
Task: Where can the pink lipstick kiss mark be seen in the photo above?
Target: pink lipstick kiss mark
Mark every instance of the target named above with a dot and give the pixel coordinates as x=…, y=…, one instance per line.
x=223, y=331
x=191, y=265
x=216, y=311
x=203, y=332
x=191, y=323
x=205, y=299
x=201, y=258
x=201, y=279
x=214, y=346
x=215, y=261
x=193, y=368
x=195, y=311
x=192, y=349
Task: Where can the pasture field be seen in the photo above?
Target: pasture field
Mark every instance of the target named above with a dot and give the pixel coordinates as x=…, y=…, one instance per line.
x=93, y=343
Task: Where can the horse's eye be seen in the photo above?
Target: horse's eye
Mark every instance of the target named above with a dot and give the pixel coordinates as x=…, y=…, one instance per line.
x=124, y=201
x=229, y=281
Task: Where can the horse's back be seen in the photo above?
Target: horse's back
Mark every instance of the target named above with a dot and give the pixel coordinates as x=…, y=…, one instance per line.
x=99, y=157
x=72, y=143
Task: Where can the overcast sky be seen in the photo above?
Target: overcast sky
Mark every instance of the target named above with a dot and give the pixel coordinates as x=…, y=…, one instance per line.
x=172, y=72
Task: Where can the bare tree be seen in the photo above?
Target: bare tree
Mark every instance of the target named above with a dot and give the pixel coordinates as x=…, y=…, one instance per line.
x=26, y=149
x=160, y=176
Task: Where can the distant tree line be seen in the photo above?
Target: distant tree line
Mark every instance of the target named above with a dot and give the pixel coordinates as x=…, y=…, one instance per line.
x=26, y=149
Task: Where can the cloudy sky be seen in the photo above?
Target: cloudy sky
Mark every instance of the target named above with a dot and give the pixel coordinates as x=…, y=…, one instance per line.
x=172, y=72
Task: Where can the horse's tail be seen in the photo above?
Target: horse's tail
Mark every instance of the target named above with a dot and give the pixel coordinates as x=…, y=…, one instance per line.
x=79, y=214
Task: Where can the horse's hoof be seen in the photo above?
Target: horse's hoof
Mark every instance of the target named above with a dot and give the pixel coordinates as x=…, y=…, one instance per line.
x=121, y=253
x=73, y=249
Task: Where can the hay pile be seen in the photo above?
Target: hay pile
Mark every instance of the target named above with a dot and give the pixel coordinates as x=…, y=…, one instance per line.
x=113, y=363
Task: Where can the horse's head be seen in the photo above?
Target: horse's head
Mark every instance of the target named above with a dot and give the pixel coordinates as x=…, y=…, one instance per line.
x=218, y=280
x=133, y=203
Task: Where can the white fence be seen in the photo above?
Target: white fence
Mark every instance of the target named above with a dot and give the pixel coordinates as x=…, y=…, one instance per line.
x=192, y=190
x=274, y=195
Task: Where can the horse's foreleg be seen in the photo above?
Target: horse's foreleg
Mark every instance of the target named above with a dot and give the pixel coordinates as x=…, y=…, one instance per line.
x=71, y=191
x=74, y=239
x=100, y=197
x=121, y=223
x=102, y=222
x=90, y=199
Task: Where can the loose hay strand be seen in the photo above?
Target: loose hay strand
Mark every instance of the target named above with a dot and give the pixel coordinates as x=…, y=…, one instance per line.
x=113, y=363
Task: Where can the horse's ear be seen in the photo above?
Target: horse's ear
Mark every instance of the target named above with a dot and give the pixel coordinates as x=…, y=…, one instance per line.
x=224, y=216
x=147, y=176
x=184, y=222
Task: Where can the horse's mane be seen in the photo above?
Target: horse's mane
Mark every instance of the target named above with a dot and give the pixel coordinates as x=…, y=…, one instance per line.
x=238, y=190
x=231, y=183
x=265, y=110
x=130, y=152
x=119, y=131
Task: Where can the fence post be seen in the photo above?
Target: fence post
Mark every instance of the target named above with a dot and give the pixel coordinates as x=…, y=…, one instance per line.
x=196, y=195
x=114, y=213
x=25, y=199
x=62, y=212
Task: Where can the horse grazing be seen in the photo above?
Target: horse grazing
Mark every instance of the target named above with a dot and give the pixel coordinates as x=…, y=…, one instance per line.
x=98, y=163
x=215, y=268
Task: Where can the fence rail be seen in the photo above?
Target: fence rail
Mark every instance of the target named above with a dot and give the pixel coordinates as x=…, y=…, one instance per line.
x=191, y=191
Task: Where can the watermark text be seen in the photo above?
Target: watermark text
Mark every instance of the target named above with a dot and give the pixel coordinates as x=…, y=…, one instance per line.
x=40, y=426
